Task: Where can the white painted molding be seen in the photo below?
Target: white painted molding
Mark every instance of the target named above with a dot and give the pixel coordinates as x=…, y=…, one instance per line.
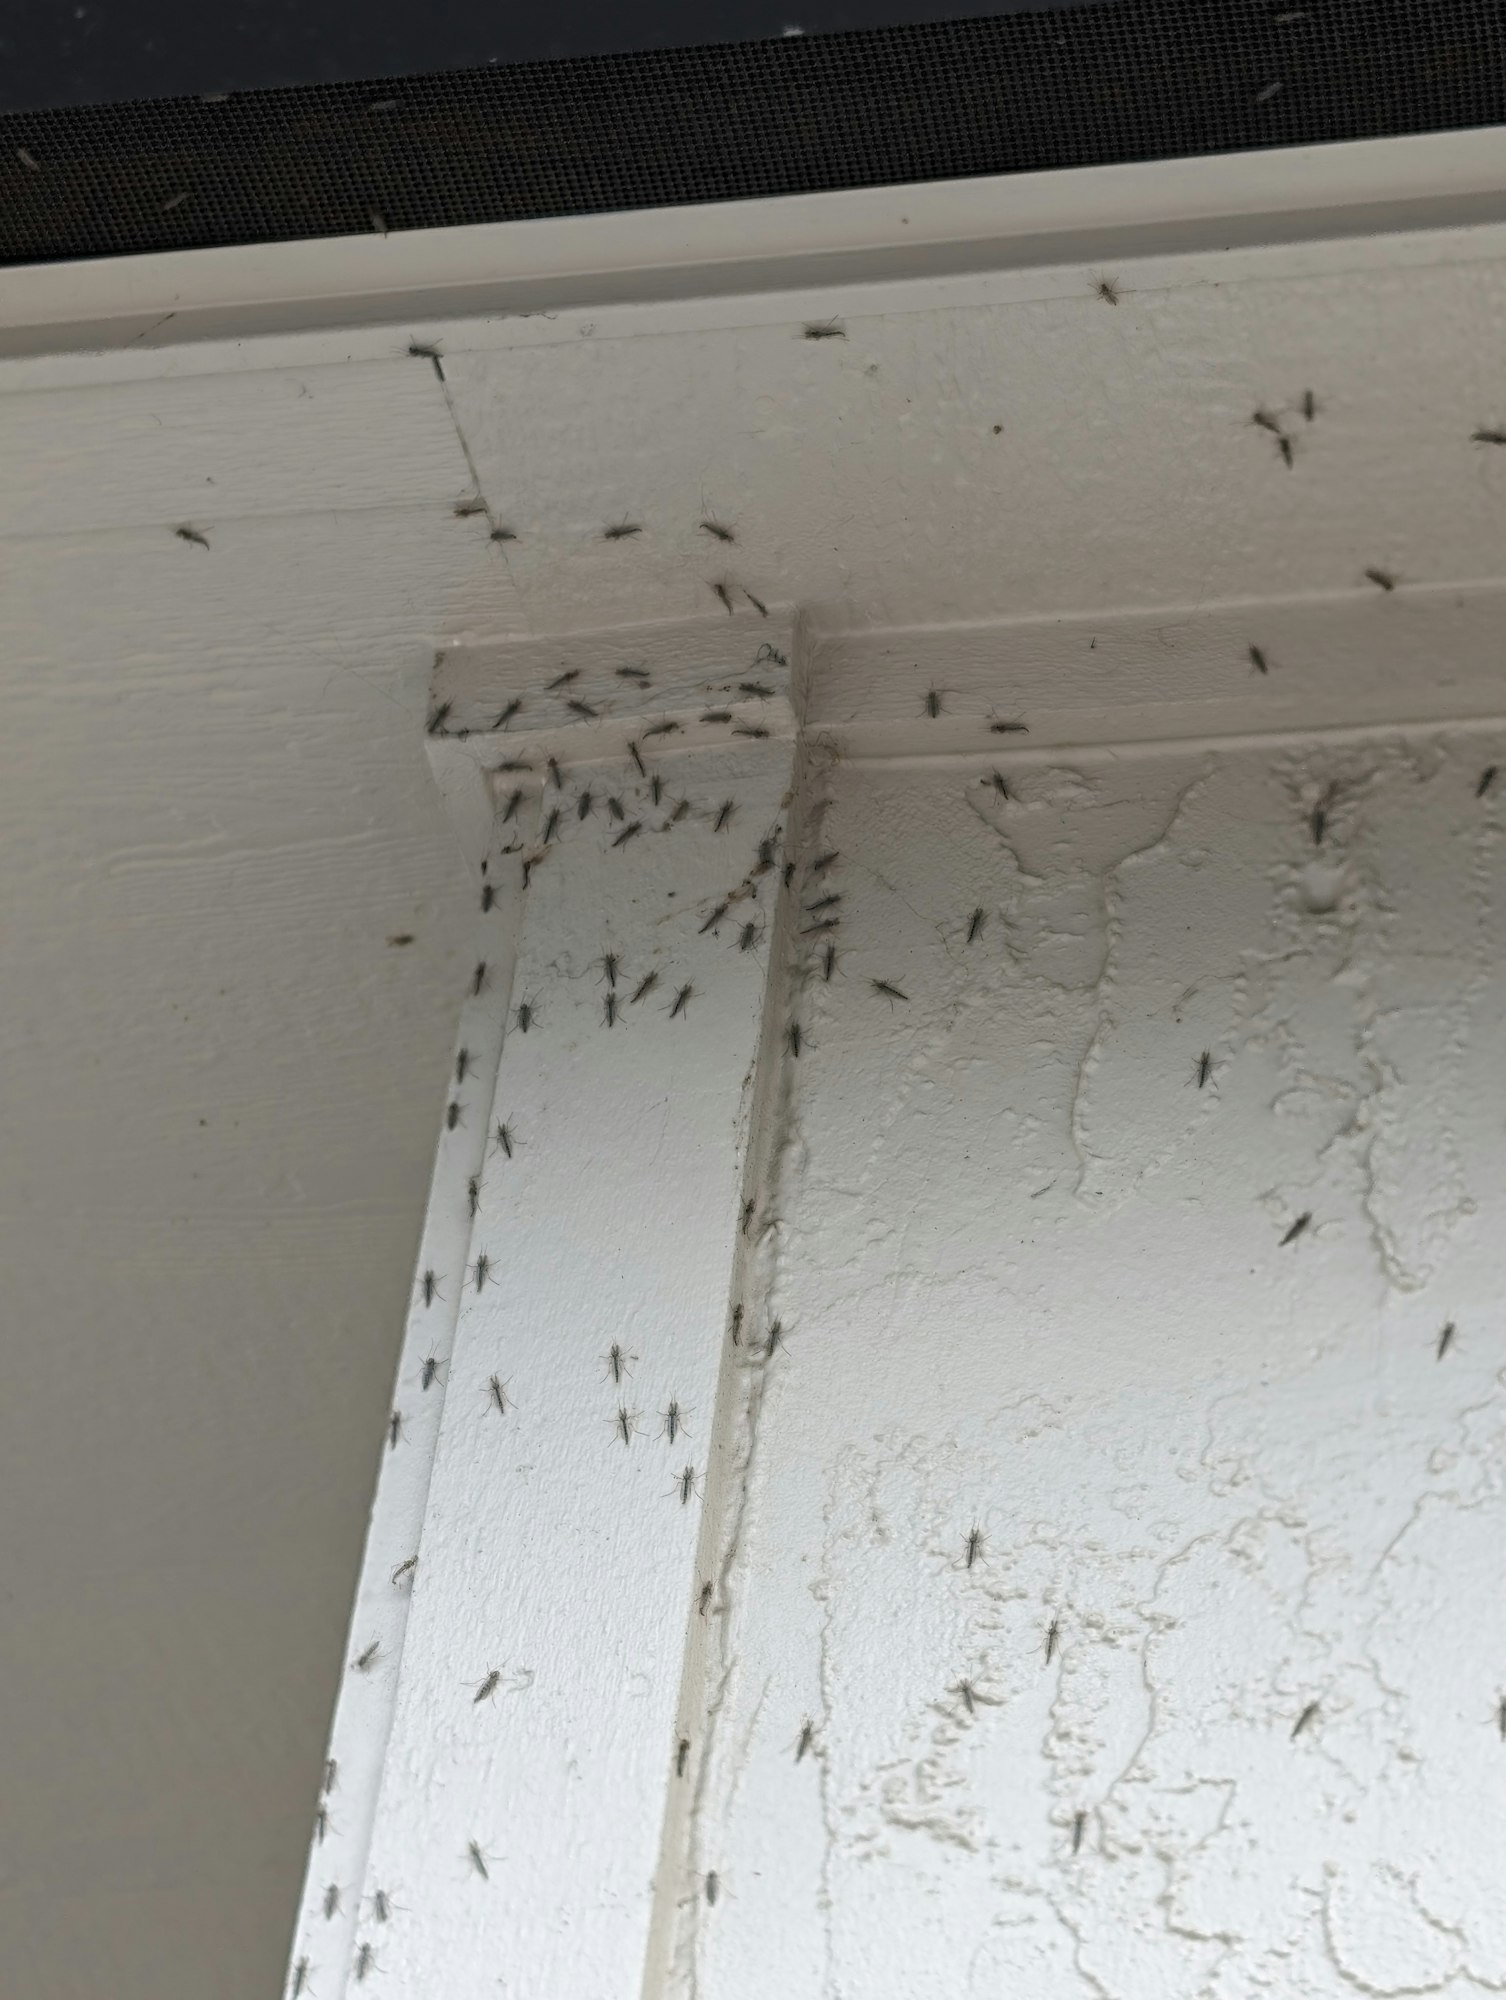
x=926, y=229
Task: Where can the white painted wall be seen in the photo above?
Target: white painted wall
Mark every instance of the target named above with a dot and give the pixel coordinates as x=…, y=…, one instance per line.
x=1214, y=1709
x=1031, y=1275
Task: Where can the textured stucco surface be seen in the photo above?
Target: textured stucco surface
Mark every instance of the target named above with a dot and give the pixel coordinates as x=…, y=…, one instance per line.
x=1214, y=1710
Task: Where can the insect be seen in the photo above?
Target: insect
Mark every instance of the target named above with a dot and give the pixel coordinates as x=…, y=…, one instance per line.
x=1382, y=578
x=662, y=729
x=1445, y=1339
x=481, y=1270
x=679, y=812
x=583, y=709
x=526, y=1017
x=755, y=688
x=394, y=1429
x=828, y=963
x=792, y=1038
x=706, y=1600
x=381, y=1906
x=1310, y=406
x=478, y=980
x=1317, y=819
x=621, y=531
x=187, y=534
x=499, y=1395
x=1487, y=779
x=737, y=1311
x=632, y=673
x=757, y=602
x=973, y=1547
x=682, y=1756
x=724, y=816
x=331, y=1901
x=1487, y=436
x=1008, y=729
x=656, y=789
x=713, y=1887
x=1287, y=450
x=645, y=985
x=608, y=963
x=824, y=903
x=463, y=509
x=555, y=778
x=725, y=595
x=996, y=779
x=403, y=937
x=1258, y=661
x=500, y=534
x=504, y=1139
x=609, y=1009
x=975, y=924
x=933, y=703
x=321, y=1825
x=682, y=1001
x=1203, y=1067
x=747, y=1220
x=301, y=1969
x=1308, y=1715
x=624, y=1424
x=462, y=1065
x=807, y=1737
x=562, y=680
x=1501, y=1718
x=1297, y=1228
x=745, y=730
x=674, y=1422
x=430, y=1288
x=634, y=826
x=331, y=1773
x=617, y=1362
x=776, y=1336
x=488, y=1686
x=746, y=937
x=637, y=759
x=715, y=528
x=478, y=1859
x=473, y=1192
x=551, y=825
x=823, y=861
x=824, y=329
x=1052, y=1635
x=686, y=1484
x=583, y=809
x=512, y=806
x=1267, y=422
x=965, y=1689
x=889, y=992
x=437, y=718
x=488, y=897
x=429, y=1374
x=451, y=1116
x=614, y=807
x=1108, y=290
x=527, y=873
x=364, y=1662
x=715, y=918
x=405, y=1569
x=515, y=764
x=826, y=924
x=1079, y=1826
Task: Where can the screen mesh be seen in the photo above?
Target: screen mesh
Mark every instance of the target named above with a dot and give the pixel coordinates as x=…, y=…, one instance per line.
x=1134, y=80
